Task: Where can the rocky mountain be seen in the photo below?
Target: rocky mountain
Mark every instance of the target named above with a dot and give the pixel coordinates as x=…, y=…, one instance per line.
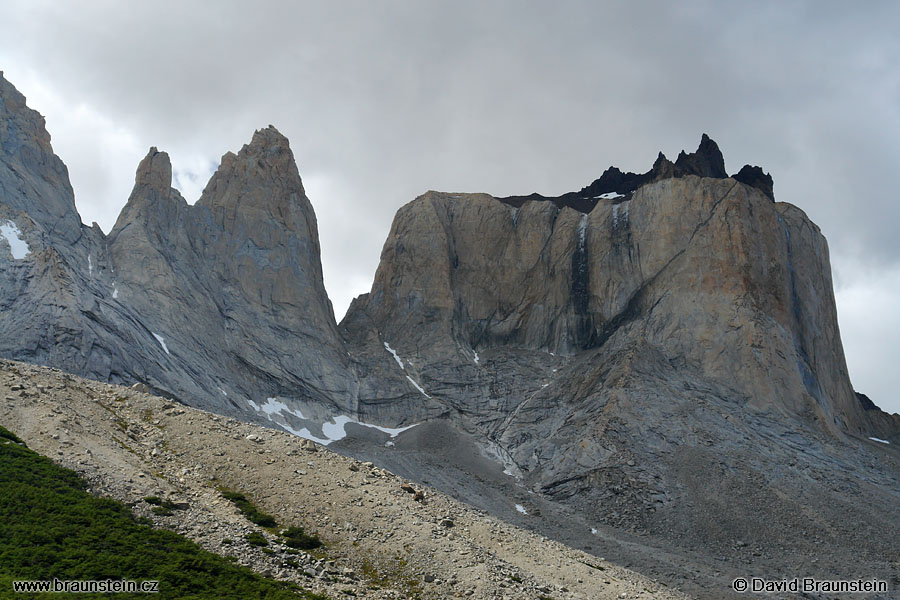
x=658, y=353
x=215, y=304
x=649, y=368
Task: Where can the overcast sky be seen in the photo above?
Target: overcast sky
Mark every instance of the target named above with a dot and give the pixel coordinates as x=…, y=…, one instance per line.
x=385, y=100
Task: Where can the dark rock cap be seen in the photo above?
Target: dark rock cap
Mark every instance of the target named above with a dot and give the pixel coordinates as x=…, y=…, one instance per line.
x=706, y=161
x=755, y=177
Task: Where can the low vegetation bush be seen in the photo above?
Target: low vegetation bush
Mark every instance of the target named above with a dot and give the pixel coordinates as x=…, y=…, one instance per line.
x=253, y=514
x=51, y=527
x=295, y=537
x=163, y=507
x=255, y=538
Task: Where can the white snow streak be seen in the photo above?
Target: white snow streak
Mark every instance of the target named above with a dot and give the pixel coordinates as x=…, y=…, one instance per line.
x=582, y=230
x=615, y=215
x=874, y=439
x=418, y=387
x=476, y=356
x=17, y=246
x=90, y=266
x=161, y=340
x=521, y=509
x=394, y=352
x=115, y=292
x=610, y=196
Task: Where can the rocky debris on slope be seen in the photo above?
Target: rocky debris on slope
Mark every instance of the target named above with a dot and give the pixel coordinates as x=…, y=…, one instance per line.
x=380, y=541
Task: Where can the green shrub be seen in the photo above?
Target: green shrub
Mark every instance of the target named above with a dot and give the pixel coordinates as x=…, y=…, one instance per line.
x=255, y=538
x=253, y=514
x=295, y=537
x=51, y=527
x=9, y=435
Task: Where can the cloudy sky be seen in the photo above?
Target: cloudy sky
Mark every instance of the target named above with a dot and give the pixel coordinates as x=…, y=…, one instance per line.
x=383, y=100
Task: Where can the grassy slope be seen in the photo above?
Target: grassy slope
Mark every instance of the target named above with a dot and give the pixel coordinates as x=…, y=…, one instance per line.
x=51, y=527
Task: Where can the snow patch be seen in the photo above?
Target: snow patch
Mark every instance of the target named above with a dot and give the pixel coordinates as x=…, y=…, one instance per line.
x=476, y=356
x=90, y=266
x=115, y=291
x=594, y=530
x=333, y=430
x=418, y=387
x=879, y=440
x=17, y=246
x=521, y=509
x=610, y=196
x=161, y=340
x=273, y=405
x=224, y=393
x=582, y=230
x=394, y=353
x=304, y=433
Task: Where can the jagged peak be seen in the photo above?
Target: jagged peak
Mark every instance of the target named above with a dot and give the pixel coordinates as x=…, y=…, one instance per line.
x=706, y=161
x=615, y=185
x=155, y=171
x=13, y=105
x=269, y=137
x=755, y=177
x=266, y=160
x=10, y=94
x=152, y=197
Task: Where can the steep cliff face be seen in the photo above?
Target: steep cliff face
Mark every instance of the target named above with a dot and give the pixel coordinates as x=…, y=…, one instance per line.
x=235, y=279
x=220, y=304
x=51, y=266
x=708, y=271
